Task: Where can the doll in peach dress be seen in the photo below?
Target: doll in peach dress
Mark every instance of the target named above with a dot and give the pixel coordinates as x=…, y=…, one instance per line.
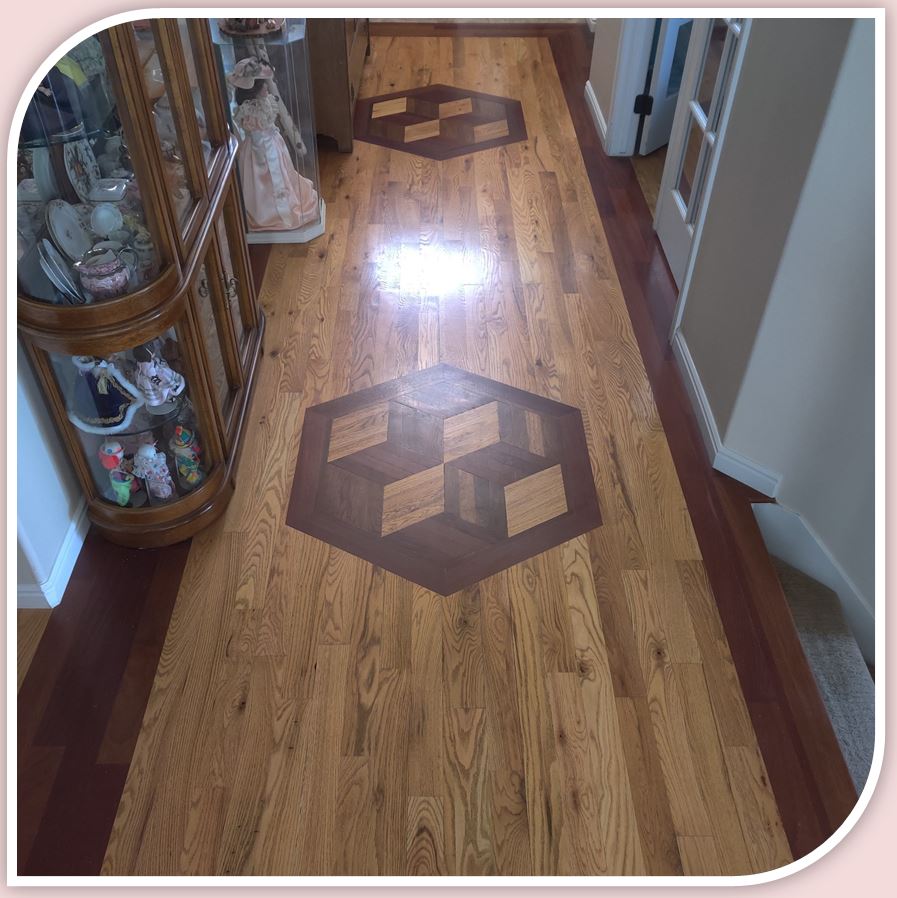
x=277, y=197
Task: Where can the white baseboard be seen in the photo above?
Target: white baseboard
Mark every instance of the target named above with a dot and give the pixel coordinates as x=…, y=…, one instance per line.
x=742, y=468
x=725, y=460
x=597, y=114
x=50, y=592
x=788, y=536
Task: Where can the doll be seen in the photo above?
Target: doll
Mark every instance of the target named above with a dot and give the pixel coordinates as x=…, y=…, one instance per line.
x=104, y=400
x=157, y=382
x=151, y=465
x=277, y=197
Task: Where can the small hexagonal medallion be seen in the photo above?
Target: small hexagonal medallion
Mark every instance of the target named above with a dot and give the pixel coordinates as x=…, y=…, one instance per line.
x=439, y=121
x=443, y=477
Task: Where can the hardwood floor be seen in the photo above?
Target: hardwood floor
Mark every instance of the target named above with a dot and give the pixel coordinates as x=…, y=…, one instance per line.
x=578, y=712
x=30, y=625
x=456, y=736
x=82, y=699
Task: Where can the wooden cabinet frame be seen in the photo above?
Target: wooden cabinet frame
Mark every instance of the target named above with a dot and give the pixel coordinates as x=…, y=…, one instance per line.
x=102, y=328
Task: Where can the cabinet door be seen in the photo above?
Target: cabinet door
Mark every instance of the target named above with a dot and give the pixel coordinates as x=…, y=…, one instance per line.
x=225, y=374
x=236, y=276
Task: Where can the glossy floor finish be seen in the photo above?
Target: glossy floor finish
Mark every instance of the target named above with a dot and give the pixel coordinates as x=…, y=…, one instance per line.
x=443, y=477
x=578, y=712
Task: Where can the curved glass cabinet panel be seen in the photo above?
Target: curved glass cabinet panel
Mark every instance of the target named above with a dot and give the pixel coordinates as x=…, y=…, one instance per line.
x=201, y=102
x=182, y=192
x=82, y=232
x=268, y=87
x=136, y=424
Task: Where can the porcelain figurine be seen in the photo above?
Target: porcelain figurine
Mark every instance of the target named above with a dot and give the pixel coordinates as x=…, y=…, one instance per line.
x=157, y=382
x=111, y=454
x=151, y=465
x=185, y=446
x=104, y=400
x=122, y=485
x=276, y=196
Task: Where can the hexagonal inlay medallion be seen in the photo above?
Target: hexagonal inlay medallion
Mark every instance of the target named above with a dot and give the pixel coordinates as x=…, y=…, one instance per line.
x=439, y=121
x=443, y=477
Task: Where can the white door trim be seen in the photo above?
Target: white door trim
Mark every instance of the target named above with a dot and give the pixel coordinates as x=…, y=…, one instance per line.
x=618, y=127
x=711, y=172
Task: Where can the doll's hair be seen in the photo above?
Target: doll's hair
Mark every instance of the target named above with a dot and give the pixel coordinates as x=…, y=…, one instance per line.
x=242, y=94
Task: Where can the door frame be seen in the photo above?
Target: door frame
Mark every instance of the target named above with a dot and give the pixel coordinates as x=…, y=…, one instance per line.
x=617, y=127
x=680, y=122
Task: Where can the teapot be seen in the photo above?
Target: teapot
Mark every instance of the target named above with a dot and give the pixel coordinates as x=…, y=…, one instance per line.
x=104, y=273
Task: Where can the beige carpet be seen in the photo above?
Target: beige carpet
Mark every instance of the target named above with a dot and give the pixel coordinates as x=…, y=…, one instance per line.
x=844, y=680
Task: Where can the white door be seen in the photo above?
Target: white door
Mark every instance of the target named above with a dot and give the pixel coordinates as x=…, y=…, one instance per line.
x=667, y=67
x=708, y=82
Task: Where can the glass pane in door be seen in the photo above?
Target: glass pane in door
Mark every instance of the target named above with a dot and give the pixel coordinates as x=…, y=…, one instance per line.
x=208, y=326
x=712, y=64
x=690, y=161
x=197, y=90
x=183, y=194
x=683, y=36
x=230, y=281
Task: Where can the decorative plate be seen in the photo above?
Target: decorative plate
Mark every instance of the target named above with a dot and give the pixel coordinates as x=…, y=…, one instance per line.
x=43, y=174
x=81, y=166
x=57, y=270
x=66, y=229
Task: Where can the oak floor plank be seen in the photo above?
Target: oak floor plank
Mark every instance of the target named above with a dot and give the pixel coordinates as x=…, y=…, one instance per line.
x=576, y=778
x=757, y=810
x=700, y=856
x=30, y=624
x=468, y=836
x=710, y=768
x=616, y=808
x=425, y=846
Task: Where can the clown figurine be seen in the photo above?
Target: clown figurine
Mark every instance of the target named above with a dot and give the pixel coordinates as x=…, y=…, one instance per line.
x=152, y=467
x=110, y=454
x=187, y=450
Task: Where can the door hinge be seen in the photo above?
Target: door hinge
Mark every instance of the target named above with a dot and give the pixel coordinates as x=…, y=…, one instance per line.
x=644, y=103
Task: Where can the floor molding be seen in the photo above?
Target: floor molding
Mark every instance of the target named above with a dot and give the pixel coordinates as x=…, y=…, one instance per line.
x=725, y=460
x=597, y=115
x=49, y=593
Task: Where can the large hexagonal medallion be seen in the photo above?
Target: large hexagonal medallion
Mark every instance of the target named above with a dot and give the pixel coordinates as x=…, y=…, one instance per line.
x=443, y=477
x=439, y=121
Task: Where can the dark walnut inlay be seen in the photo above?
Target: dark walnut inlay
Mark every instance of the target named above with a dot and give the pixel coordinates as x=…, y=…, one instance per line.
x=439, y=121
x=443, y=477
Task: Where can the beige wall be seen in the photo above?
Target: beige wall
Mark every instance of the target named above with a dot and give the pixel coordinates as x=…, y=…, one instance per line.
x=604, y=62
x=49, y=499
x=781, y=99
x=806, y=406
